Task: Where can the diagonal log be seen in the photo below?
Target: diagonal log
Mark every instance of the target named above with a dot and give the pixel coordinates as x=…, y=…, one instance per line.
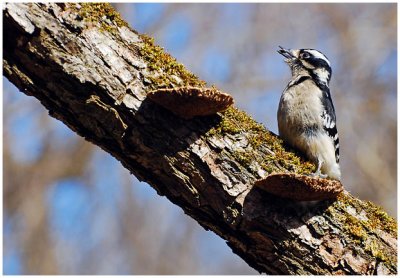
x=93, y=72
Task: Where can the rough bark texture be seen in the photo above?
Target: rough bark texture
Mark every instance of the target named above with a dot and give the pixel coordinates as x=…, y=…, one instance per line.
x=92, y=72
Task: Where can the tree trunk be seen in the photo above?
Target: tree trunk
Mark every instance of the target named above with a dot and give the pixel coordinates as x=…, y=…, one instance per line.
x=92, y=72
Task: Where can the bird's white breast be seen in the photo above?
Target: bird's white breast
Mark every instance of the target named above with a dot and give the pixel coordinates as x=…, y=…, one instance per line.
x=300, y=106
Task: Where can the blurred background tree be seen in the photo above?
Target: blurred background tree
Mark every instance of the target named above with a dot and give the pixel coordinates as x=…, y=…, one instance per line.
x=70, y=208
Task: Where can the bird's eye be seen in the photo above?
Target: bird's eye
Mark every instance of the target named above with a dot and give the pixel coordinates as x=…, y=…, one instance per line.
x=305, y=55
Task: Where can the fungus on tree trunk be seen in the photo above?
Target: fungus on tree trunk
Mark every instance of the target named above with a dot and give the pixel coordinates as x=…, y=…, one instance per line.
x=300, y=187
x=188, y=102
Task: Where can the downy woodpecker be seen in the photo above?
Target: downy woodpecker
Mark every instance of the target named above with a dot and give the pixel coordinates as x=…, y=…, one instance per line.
x=306, y=116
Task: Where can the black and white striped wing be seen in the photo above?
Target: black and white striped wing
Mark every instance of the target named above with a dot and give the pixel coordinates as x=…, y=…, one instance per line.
x=329, y=120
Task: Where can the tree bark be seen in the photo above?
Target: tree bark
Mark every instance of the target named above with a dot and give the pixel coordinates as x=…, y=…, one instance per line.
x=92, y=72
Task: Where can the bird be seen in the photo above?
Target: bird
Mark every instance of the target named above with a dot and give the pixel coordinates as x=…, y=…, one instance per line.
x=306, y=114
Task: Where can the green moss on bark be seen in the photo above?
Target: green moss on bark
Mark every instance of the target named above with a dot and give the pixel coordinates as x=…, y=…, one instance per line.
x=164, y=70
x=362, y=222
x=102, y=15
x=265, y=148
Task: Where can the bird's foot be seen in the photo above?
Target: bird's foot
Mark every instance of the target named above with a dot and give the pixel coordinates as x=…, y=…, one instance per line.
x=318, y=174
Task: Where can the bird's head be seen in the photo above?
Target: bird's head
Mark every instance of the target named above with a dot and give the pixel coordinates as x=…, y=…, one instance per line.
x=308, y=61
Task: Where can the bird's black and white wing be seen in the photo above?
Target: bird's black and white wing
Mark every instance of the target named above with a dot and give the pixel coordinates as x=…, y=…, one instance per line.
x=329, y=120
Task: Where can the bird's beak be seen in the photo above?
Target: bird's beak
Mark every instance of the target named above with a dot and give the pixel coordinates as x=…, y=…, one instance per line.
x=287, y=53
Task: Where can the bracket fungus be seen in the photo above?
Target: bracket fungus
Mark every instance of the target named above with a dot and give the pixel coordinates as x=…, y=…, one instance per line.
x=188, y=102
x=300, y=187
